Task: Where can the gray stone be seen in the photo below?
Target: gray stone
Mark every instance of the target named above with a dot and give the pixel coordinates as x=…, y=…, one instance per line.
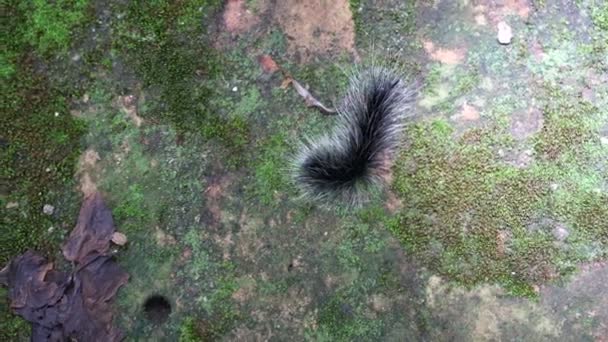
x=48, y=209
x=560, y=232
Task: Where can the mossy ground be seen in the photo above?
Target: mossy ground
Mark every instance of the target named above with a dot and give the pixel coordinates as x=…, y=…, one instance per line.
x=474, y=210
x=201, y=186
x=454, y=221
x=40, y=140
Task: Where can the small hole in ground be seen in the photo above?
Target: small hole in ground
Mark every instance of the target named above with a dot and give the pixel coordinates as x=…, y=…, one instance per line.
x=157, y=309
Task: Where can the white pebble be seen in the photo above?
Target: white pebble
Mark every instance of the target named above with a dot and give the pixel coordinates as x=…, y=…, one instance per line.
x=48, y=209
x=505, y=34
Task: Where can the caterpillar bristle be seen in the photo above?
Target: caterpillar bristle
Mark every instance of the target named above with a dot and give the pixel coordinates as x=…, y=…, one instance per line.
x=355, y=158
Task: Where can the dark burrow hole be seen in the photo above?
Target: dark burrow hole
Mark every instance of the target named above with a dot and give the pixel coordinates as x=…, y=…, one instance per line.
x=157, y=309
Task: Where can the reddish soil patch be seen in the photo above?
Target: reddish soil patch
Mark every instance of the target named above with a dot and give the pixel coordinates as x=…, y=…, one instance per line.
x=237, y=18
x=316, y=26
x=537, y=50
x=312, y=27
x=526, y=123
x=468, y=113
x=268, y=64
x=443, y=55
x=393, y=203
x=214, y=194
x=128, y=104
x=496, y=11
x=87, y=166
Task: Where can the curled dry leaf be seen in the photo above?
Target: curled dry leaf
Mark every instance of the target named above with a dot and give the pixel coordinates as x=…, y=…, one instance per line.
x=310, y=100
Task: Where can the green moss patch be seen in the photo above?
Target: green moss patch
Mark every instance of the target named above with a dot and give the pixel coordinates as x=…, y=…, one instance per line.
x=180, y=74
x=474, y=218
x=371, y=20
x=12, y=328
x=339, y=320
x=43, y=26
x=600, y=16
x=49, y=25
x=40, y=144
x=39, y=138
x=271, y=169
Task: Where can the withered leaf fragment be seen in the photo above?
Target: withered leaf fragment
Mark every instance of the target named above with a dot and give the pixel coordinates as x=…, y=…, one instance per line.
x=75, y=305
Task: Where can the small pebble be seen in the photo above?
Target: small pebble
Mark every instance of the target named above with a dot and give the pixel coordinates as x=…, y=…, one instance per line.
x=235, y=89
x=560, y=233
x=48, y=209
x=505, y=34
x=119, y=238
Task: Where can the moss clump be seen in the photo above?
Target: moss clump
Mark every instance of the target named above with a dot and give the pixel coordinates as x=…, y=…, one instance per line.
x=446, y=84
x=222, y=312
x=132, y=207
x=180, y=74
x=378, y=21
x=192, y=330
x=40, y=144
x=271, y=169
x=600, y=17
x=42, y=26
x=567, y=129
x=590, y=215
x=39, y=139
x=339, y=319
x=12, y=328
x=189, y=331
x=355, y=5
x=49, y=25
x=474, y=218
